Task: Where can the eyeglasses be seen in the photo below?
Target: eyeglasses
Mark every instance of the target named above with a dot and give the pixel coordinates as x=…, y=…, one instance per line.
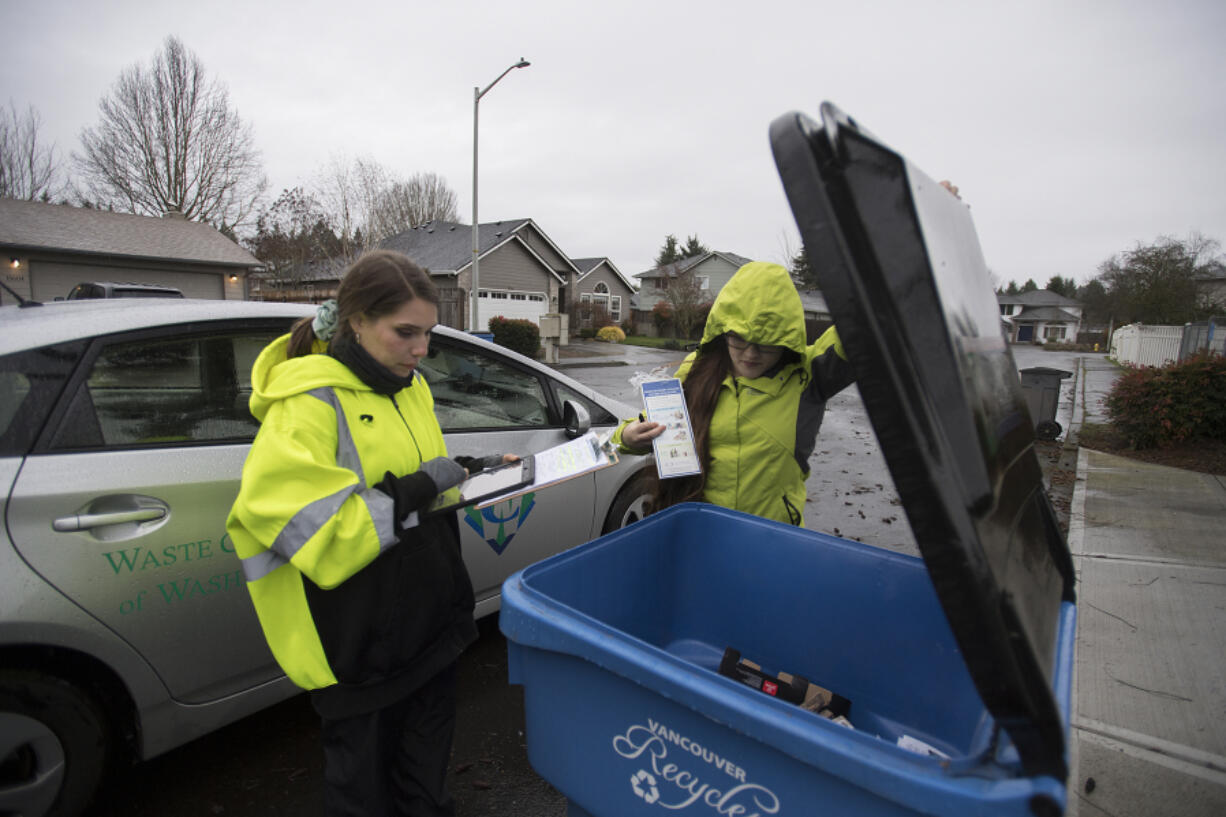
x=738, y=343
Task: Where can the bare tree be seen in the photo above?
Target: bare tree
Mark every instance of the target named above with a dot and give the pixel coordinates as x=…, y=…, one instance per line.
x=170, y=141
x=28, y=167
x=346, y=190
x=686, y=297
x=293, y=233
x=403, y=205
x=366, y=202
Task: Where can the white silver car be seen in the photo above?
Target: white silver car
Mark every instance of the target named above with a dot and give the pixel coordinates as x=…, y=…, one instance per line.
x=125, y=626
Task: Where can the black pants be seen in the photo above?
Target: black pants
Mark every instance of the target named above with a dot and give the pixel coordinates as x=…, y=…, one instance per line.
x=393, y=761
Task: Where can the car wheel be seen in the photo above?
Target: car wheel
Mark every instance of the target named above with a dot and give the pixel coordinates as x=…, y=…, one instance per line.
x=54, y=746
x=1048, y=430
x=631, y=505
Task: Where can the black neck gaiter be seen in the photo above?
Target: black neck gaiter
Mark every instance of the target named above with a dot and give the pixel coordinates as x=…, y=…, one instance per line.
x=370, y=371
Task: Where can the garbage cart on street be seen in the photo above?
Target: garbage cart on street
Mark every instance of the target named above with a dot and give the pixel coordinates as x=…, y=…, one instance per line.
x=1041, y=386
x=704, y=661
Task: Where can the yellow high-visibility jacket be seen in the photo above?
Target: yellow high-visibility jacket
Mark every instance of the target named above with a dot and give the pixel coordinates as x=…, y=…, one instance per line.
x=354, y=603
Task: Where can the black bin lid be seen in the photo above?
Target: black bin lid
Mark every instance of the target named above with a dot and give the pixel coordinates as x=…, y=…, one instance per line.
x=904, y=278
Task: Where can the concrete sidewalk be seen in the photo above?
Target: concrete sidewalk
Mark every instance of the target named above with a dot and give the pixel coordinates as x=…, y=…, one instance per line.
x=1149, y=698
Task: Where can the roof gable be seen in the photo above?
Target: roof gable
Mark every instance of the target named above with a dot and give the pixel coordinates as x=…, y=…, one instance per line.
x=587, y=266
x=62, y=228
x=686, y=264
x=446, y=246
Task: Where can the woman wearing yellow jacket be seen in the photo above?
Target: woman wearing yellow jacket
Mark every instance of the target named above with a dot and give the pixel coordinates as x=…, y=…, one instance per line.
x=756, y=394
x=364, y=600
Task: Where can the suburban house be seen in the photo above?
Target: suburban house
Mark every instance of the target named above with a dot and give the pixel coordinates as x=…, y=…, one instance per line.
x=710, y=271
x=1211, y=285
x=817, y=314
x=601, y=285
x=50, y=248
x=522, y=272
x=1040, y=316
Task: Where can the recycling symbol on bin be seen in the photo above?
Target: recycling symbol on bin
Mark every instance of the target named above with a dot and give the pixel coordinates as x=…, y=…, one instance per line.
x=644, y=786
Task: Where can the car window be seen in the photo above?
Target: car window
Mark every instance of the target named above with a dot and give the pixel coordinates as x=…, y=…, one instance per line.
x=473, y=389
x=600, y=417
x=166, y=391
x=30, y=383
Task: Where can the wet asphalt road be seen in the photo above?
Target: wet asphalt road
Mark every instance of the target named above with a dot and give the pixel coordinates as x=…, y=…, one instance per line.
x=270, y=764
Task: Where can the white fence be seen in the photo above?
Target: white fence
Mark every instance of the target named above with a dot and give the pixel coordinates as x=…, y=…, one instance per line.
x=1140, y=345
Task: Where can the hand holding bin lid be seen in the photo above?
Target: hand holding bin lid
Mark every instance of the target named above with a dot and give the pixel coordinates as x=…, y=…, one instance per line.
x=905, y=280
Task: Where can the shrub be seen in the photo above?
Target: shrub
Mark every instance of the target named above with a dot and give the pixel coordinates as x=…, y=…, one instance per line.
x=516, y=334
x=611, y=334
x=671, y=344
x=661, y=316
x=600, y=316
x=1154, y=408
x=587, y=333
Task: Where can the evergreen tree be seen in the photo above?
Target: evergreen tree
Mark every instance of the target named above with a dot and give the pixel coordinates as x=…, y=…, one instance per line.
x=668, y=253
x=693, y=248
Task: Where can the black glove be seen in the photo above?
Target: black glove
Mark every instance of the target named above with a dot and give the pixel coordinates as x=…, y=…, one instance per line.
x=416, y=491
x=476, y=465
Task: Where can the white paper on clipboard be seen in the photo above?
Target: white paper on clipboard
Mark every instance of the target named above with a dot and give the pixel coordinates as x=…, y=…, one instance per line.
x=591, y=452
x=664, y=403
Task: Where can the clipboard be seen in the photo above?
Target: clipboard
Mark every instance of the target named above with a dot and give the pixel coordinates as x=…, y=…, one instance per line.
x=492, y=482
x=571, y=459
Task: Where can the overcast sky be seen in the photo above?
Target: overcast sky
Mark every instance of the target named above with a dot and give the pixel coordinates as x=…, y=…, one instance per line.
x=1074, y=129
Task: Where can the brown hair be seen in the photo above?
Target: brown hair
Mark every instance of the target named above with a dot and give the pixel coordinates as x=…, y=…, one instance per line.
x=377, y=284
x=702, y=384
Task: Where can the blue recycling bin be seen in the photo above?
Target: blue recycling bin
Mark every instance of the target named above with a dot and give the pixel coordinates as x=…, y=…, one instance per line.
x=617, y=645
x=957, y=664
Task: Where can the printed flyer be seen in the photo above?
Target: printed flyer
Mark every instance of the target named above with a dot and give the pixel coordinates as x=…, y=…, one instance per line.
x=664, y=403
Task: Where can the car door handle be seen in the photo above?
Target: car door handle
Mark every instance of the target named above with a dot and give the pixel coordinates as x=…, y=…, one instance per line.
x=86, y=521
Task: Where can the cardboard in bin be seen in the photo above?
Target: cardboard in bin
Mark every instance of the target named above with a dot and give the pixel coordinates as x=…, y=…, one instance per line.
x=968, y=651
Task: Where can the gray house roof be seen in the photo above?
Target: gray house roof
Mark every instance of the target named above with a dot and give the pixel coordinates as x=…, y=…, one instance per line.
x=588, y=265
x=1045, y=313
x=447, y=247
x=680, y=267
x=32, y=225
x=1037, y=297
x=444, y=246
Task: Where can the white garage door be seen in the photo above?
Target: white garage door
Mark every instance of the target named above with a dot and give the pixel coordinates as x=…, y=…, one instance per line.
x=510, y=304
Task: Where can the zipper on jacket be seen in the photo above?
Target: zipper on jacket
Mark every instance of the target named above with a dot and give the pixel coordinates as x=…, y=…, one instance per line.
x=793, y=515
x=412, y=436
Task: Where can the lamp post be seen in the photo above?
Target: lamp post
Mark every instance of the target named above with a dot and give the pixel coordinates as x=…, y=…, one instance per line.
x=477, y=94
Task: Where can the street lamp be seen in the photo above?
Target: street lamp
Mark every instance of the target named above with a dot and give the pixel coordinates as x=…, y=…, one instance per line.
x=477, y=94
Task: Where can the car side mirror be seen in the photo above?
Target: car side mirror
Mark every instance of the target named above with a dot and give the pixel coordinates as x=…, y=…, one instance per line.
x=576, y=418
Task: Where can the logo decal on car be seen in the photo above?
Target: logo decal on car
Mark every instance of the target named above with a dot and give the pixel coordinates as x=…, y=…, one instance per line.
x=499, y=523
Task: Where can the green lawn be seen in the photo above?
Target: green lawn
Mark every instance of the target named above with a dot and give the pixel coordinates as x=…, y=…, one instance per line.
x=654, y=343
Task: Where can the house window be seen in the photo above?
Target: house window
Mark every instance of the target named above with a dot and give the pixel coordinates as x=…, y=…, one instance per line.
x=1006, y=309
x=704, y=282
x=1053, y=332
x=661, y=283
x=615, y=309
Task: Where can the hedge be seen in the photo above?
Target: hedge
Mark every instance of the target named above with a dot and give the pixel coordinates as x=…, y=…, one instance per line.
x=516, y=334
x=1157, y=407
